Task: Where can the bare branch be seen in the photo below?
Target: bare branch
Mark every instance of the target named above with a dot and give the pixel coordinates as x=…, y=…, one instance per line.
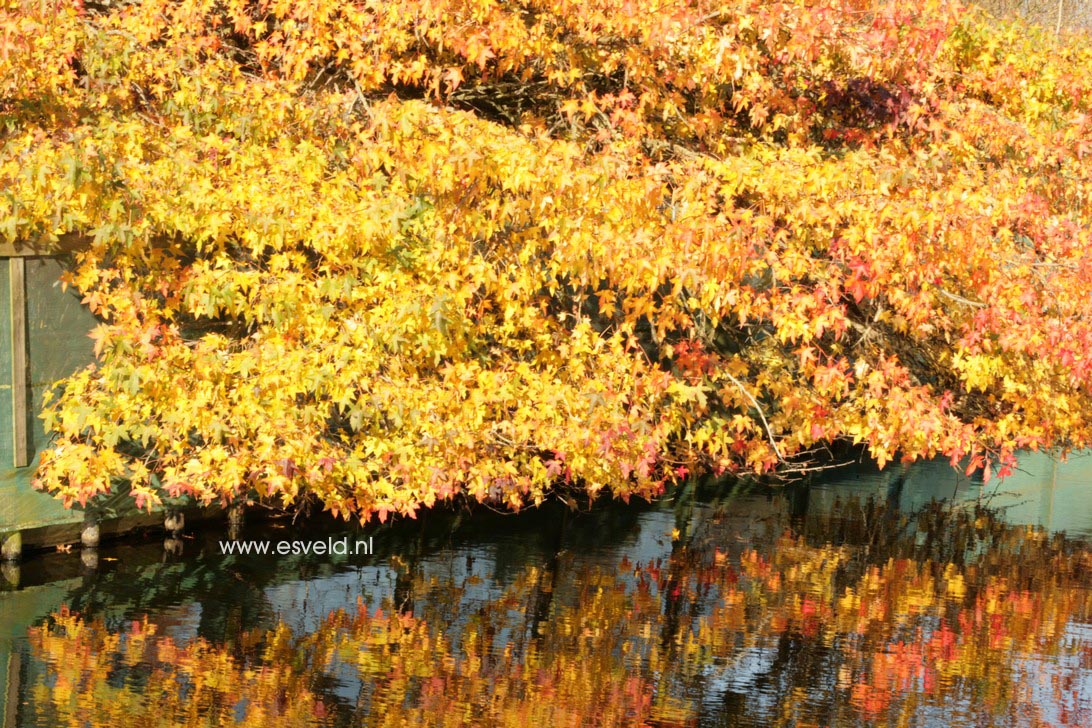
x=761, y=414
x=961, y=299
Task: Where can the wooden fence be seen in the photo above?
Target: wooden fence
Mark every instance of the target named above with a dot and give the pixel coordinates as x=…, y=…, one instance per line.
x=43, y=338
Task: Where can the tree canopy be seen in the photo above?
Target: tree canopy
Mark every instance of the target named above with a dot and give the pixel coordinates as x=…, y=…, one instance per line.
x=387, y=254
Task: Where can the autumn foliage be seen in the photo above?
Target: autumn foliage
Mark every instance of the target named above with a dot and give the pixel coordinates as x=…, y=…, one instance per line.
x=384, y=254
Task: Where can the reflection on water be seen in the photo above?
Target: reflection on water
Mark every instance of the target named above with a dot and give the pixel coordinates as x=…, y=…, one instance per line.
x=1042, y=492
x=831, y=606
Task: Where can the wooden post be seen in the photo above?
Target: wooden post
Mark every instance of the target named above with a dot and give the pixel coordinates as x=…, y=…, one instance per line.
x=174, y=522
x=235, y=520
x=18, y=280
x=89, y=537
x=11, y=546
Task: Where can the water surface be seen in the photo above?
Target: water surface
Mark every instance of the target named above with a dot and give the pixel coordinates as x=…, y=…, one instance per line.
x=856, y=601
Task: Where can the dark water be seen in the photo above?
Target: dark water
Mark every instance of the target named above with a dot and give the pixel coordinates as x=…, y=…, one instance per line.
x=857, y=601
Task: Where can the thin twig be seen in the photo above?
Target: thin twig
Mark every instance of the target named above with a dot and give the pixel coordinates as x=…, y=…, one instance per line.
x=817, y=468
x=761, y=415
x=961, y=299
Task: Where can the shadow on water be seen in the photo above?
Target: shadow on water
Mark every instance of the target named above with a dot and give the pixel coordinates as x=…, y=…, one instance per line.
x=850, y=601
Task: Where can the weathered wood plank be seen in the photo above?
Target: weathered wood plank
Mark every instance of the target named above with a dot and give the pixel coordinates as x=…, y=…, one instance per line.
x=21, y=444
x=11, y=689
x=28, y=248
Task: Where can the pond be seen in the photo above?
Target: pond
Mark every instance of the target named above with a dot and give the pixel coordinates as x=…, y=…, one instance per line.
x=858, y=600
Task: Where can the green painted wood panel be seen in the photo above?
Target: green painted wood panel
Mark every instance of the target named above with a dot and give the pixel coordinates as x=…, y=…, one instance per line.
x=7, y=455
x=57, y=328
